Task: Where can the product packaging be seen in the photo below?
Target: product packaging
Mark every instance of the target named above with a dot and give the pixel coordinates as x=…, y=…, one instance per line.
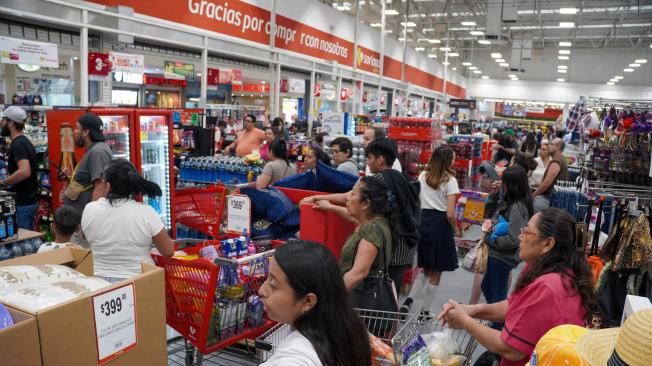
x=8, y=222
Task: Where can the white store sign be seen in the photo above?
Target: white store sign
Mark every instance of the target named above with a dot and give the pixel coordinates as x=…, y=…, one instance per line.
x=20, y=51
x=115, y=322
x=297, y=86
x=531, y=109
x=238, y=213
x=127, y=62
x=333, y=123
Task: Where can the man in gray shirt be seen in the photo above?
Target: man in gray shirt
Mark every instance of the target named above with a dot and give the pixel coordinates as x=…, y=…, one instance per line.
x=88, y=174
x=341, y=152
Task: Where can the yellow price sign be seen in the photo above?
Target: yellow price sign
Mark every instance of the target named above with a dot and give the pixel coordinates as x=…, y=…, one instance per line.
x=474, y=210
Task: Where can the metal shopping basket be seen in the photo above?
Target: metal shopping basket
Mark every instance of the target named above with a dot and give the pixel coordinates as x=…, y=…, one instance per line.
x=201, y=208
x=208, y=313
x=395, y=329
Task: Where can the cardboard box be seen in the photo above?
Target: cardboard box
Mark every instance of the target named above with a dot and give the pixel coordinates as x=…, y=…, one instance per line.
x=67, y=331
x=20, y=342
x=634, y=304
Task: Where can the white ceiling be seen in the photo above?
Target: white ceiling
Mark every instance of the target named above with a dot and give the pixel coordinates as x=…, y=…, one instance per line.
x=606, y=35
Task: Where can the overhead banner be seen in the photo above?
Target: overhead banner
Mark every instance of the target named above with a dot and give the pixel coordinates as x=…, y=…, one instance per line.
x=126, y=62
x=297, y=86
x=368, y=60
x=176, y=69
x=532, y=109
x=462, y=103
x=20, y=51
x=98, y=64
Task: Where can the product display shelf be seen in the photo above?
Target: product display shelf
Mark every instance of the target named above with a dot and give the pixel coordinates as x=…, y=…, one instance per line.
x=24, y=235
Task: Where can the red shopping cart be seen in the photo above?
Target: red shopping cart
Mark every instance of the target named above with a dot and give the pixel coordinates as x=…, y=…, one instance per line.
x=205, y=308
x=200, y=208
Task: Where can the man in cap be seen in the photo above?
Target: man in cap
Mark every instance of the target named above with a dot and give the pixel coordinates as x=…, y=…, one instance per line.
x=506, y=147
x=21, y=166
x=88, y=173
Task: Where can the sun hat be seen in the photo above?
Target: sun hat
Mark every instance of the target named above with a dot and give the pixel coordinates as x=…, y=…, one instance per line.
x=557, y=347
x=15, y=114
x=629, y=345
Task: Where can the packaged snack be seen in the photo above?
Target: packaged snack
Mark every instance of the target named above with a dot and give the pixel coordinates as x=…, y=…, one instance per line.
x=255, y=304
x=381, y=353
x=208, y=252
x=416, y=353
x=241, y=247
x=441, y=344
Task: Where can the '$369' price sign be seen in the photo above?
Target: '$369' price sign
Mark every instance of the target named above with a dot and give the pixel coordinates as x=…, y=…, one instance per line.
x=115, y=322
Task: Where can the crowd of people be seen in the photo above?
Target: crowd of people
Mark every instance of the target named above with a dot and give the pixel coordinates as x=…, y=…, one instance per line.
x=397, y=219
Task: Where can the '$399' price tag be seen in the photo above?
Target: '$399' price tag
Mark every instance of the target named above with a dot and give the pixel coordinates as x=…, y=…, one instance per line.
x=115, y=322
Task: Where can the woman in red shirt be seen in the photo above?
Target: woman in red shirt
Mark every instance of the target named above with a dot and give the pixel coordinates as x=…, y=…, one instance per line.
x=554, y=288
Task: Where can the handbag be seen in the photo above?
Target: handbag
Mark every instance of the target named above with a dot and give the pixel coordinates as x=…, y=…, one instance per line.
x=468, y=263
x=377, y=293
x=74, y=189
x=482, y=255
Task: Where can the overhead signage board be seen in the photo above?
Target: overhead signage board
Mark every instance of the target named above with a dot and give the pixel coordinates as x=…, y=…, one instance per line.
x=21, y=51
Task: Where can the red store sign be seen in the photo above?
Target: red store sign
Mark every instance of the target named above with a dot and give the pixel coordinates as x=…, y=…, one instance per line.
x=251, y=88
x=98, y=64
x=213, y=77
x=157, y=80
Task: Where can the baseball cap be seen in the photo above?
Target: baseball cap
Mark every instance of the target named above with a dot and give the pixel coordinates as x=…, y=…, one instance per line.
x=15, y=114
x=509, y=132
x=93, y=124
x=557, y=347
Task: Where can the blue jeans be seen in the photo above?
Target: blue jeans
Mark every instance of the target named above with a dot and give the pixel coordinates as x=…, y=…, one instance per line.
x=25, y=216
x=495, y=283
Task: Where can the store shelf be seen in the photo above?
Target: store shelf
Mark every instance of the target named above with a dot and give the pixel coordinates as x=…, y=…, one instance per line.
x=24, y=235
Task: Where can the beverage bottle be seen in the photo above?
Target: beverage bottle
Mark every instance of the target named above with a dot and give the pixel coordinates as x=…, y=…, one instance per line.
x=10, y=226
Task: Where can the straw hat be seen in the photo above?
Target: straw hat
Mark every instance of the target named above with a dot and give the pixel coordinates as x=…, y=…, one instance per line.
x=629, y=345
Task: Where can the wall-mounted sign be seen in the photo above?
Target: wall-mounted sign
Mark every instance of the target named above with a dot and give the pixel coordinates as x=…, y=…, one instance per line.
x=128, y=77
x=283, y=87
x=344, y=94
x=251, y=88
x=213, y=77
x=157, y=80
x=98, y=64
x=533, y=109
x=20, y=51
x=317, y=90
x=175, y=69
x=382, y=99
x=462, y=103
x=333, y=123
x=126, y=62
x=297, y=86
x=364, y=97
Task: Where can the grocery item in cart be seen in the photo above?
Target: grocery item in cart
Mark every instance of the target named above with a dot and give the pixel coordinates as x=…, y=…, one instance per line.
x=416, y=353
x=441, y=344
x=381, y=353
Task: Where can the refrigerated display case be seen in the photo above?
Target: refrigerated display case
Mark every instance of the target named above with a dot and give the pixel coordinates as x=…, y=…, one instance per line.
x=118, y=130
x=155, y=157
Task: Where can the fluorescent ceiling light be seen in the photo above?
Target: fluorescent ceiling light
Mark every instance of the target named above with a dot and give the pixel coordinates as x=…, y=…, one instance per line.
x=564, y=52
x=566, y=25
x=466, y=64
x=432, y=55
x=375, y=25
x=434, y=41
x=454, y=68
x=568, y=11
x=410, y=30
x=468, y=24
x=388, y=31
x=613, y=80
x=628, y=70
x=563, y=57
x=500, y=60
x=565, y=44
x=618, y=77
x=511, y=75
x=496, y=55
x=561, y=80
x=477, y=72
x=562, y=67
x=485, y=77
x=453, y=54
x=401, y=39
x=445, y=49
x=477, y=33
x=641, y=61
x=484, y=41
x=419, y=49
x=503, y=64
x=610, y=83
x=428, y=30
x=472, y=68
x=562, y=71
x=445, y=63
x=409, y=24
x=634, y=65
x=391, y=12
x=514, y=79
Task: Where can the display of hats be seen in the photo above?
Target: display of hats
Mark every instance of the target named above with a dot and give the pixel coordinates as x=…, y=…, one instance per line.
x=5, y=318
x=629, y=345
x=557, y=347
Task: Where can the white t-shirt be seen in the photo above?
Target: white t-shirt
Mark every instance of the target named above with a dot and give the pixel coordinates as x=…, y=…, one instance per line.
x=396, y=166
x=436, y=199
x=120, y=236
x=294, y=350
x=537, y=174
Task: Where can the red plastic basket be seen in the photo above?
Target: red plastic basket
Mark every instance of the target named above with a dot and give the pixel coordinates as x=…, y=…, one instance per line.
x=201, y=208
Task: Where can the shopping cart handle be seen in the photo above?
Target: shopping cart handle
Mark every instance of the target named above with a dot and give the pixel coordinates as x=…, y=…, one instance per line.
x=263, y=346
x=187, y=242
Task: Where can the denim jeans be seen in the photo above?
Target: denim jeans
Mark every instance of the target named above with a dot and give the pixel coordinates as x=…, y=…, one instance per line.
x=495, y=283
x=25, y=216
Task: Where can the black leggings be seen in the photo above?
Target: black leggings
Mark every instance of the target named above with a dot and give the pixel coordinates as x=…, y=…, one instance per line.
x=396, y=274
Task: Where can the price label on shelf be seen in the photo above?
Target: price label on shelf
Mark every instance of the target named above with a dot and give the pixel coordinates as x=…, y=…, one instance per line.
x=115, y=322
x=238, y=213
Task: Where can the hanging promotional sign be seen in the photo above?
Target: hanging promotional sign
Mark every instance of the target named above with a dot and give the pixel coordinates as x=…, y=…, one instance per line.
x=213, y=77
x=98, y=64
x=332, y=123
x=382, y=99
x=179, y=69
x=126, y=62
x=283, y=87
x=297, y=86
x=230, y=76
x=364, y=96
x=344, y=94
x=317, y=90
x=20, y=51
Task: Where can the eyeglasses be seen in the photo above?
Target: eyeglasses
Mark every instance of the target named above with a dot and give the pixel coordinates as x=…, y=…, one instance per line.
x=335, y=151
x=526, y=232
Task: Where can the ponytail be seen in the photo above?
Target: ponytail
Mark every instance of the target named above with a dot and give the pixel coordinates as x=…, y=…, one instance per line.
x=125, y=182
x=280, y=150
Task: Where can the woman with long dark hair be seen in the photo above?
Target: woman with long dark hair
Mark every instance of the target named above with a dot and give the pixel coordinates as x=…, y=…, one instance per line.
x=121, y=230
x=514, y=211
x=271, y=135
x=554, y=288
x=305, y=289
x=313, y=154
x=278, y=166
x=530, y=146
x=436, y=248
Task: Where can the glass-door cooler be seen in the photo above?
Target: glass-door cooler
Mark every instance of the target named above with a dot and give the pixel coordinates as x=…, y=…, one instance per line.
x=118, y=130
x=155, y=158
